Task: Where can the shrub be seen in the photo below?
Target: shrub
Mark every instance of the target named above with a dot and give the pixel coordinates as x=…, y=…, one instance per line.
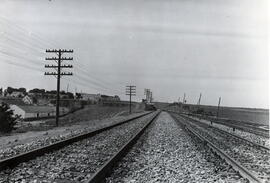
x=200, y=111
x=7, y=118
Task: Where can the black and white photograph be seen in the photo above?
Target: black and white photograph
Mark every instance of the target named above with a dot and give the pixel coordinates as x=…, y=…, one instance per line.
x=134, y=91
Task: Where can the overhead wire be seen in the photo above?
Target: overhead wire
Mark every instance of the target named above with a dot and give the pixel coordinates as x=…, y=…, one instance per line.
x=18, y=56
x=14, y=39
x=21, y=65
x=86, y=78
x=25, y=31
x=97, y=81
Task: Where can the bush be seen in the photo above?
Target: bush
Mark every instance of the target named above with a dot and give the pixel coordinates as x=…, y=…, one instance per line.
x=7, y=119
x=199, y=111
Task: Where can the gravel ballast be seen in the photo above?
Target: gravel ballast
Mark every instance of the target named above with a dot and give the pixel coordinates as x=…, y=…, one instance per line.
x=166, y=153
x=255, y=159
x=246, y=135
x=76, y=162
x=50, y=136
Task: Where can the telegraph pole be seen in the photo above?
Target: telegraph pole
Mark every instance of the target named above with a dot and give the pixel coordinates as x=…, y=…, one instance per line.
x=198, y=106
x=58, y=68
x=131, y=91
x=151, y=97
x=219, y=100
x=67, y=87
x=199, y=101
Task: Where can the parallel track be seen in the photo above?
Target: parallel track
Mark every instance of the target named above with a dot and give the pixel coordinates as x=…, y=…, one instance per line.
x=101, y=174
x=244, y=170
x=228, y=133
x=32, y=154
x=222, y=131
x=247, y=127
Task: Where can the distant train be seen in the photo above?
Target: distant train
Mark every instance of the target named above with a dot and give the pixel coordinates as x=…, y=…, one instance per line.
x=150, y=107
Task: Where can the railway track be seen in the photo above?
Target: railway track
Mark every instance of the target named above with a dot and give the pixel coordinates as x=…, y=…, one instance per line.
x=71, y=159
x=252, y=138
x=167, y=153
x=102, y=172
x=228, y=133
x=249, y=159
x=244, y=126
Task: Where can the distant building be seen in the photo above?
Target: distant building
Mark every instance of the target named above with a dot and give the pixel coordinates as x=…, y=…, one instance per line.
x=106, y=98
x=93, y=98
x=42, y=97
x=27, y=99
x=30, y=111
x=98, y=98
x=12, y=100
x=17, y=94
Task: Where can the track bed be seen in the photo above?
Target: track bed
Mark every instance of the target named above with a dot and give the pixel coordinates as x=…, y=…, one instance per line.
x=248, y=155
x=76, y=162
x=167, y=153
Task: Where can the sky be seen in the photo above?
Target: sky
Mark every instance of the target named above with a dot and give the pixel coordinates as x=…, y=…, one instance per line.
x=219, y=48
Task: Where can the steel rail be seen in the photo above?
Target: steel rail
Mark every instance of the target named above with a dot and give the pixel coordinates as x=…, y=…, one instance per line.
x=23, y=157
x=237, y=123
x=256, y=130
x=102, y=172
x=223, y=131
x=245, y=127
x=243, y=171
x=228, y=133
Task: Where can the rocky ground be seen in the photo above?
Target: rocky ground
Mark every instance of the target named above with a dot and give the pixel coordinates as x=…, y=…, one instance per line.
x=249, y=136
x=166, y=153
x=255, y=159
x=76, y=162
x=21, y=142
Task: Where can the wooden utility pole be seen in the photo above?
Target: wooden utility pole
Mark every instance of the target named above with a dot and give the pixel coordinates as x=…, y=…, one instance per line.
x=131, y=91
x=219, y=100
x=58, y=68
x=199, y=101
x=67, y=87
x=198, y=106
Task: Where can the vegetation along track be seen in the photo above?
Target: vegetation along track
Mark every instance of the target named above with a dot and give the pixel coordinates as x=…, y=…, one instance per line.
x=250, y=160
x=72, y=162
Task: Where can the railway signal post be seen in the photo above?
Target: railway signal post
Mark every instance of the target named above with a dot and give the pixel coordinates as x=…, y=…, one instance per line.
x=219, y=100
x=199, y=101
x=147, y=94
x=184, y=101
x=131, y=91
x=58, y=67
x=198, y=106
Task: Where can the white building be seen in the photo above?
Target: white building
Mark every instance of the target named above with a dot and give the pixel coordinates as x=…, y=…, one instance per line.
x=27, y=100
x=95, y=98
x=16, y=94
x=30, y=111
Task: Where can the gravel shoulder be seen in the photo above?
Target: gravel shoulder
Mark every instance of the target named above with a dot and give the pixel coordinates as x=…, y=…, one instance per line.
x=166, y=153
x=76, y=162
x=246, y=135
x=253, y=158
x=21, y=142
